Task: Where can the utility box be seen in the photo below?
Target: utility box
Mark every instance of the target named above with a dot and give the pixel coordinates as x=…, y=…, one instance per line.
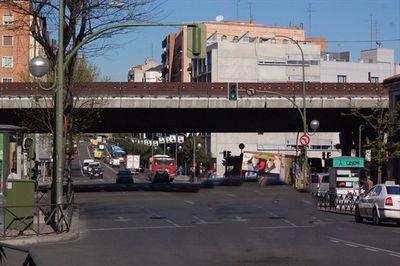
x=21, y=197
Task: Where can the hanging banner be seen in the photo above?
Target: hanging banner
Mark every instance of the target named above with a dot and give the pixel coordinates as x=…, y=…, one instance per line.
x=155, y=143
x=161, y=140
x=181, y=139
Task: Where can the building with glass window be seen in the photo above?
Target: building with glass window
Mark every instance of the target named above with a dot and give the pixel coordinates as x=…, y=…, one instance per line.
x=17, y=46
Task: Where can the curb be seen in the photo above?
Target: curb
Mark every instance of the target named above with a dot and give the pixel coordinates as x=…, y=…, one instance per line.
x=337, y=212
x=73, y=234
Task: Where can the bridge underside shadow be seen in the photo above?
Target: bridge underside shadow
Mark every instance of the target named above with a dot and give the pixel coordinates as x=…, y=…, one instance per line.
x=131, y=120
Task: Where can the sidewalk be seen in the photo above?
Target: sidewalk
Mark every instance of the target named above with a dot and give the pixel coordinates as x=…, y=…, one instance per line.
x=48, y=235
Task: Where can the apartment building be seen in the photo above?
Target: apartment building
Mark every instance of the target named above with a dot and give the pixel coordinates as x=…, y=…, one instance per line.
x=177, y=65
x=16, y=45
x=150, y=71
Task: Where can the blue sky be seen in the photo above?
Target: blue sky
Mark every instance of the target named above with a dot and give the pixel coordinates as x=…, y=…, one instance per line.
x=340, y=21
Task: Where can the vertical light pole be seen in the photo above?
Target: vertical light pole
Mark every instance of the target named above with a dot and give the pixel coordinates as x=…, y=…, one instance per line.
x=304, y=182
x=194, y=156
x=359, y=140
x=176, y=149
x=59, y=152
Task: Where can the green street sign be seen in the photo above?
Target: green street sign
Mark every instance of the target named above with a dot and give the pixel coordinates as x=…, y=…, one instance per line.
x=348, y=162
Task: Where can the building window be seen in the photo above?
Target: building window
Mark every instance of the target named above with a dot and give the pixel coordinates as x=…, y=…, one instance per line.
x=7, y=80
x=235, y=38
x=7, y=40
x=7, y=61
x=8, y=19
x=341, y=78
x=223, y=37
x=374, y=80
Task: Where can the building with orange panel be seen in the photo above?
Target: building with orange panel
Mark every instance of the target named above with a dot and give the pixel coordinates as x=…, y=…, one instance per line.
x=16, y=45
x=178, y=67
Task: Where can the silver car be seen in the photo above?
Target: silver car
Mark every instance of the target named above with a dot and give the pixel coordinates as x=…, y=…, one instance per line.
x=380, y=203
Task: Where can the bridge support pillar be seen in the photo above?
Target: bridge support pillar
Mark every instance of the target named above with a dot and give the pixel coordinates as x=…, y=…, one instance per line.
x=346, y=142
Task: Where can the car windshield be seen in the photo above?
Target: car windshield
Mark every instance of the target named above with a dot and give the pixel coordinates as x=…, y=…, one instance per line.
x=393, y=190
x=164, y=162
x=314, y=179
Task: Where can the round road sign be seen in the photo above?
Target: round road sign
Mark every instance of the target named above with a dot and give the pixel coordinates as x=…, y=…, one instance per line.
x=304, y=140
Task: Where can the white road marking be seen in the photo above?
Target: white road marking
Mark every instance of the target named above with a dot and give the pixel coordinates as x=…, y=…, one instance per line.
x=395, y=253
x=281, y=227
x=231, y=195
x=371, y=249
x=289, y=222
x=199, y=219
x=238, y=219
x=173, y=223
x=307, y=202
x=189, y=202
x=351, y=245
x=275, y=215
x=121, y=219
x=137, y=228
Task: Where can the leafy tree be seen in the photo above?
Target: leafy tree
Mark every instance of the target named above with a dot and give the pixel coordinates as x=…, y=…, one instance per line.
x=201, y=155
x=385, y=126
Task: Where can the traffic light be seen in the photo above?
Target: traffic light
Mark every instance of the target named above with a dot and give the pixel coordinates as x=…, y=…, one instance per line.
x=227, y=154
x=196, y=41
x=232, y=91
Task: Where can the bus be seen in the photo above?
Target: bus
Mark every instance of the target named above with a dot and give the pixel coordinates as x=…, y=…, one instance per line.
x=162, y=168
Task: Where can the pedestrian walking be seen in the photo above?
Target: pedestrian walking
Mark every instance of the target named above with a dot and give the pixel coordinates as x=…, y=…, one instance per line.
x=13, y=174
x=370, y=183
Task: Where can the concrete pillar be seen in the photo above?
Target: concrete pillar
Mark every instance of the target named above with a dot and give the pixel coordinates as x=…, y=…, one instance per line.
x=346, y=142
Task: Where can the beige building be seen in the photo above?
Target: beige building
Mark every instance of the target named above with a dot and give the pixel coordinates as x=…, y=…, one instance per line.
x=150, y=71
x=177, y=65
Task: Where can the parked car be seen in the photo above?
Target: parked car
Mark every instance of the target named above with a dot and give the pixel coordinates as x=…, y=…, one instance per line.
x=380, y=203
x=85, y=165
x=124, y=177
x=91, y=166
x=319, y=183
x=95, y=171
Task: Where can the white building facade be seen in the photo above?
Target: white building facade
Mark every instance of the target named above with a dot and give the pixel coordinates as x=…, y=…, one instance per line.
x=246, y=61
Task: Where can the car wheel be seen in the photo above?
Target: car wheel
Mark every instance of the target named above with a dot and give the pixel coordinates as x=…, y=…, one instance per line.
x=398, y=223
x=375, y=217
x=357, y=216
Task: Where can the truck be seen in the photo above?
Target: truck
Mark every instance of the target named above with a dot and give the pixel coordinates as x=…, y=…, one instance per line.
x=133, y=163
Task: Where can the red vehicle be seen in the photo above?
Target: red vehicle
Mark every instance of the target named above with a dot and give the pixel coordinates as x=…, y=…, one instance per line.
x=162, y=169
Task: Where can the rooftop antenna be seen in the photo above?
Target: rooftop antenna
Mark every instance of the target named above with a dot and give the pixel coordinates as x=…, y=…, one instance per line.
x=251, y=14
x=152, y=51
x=371, y=29
x=376, y=32
x=310, y=11
x=237, y=10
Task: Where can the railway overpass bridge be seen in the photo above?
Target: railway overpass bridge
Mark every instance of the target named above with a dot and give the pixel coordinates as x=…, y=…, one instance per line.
x=202, y=107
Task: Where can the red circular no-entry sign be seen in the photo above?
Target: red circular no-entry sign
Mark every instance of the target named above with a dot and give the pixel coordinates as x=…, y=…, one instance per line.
x=305, y=140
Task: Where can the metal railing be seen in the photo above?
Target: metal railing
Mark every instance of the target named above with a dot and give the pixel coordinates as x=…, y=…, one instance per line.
x=170, y=89
x=337, y=203
x=36, y=220
x=30, y=260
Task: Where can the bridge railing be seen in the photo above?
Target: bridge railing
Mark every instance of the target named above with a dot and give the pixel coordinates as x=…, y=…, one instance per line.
x=133, y=89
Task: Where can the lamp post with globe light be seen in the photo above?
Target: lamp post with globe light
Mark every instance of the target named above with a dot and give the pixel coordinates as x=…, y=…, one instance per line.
x=39, y=67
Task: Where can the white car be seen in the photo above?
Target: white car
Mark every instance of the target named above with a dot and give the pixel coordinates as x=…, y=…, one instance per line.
x=85, y=165
x=380, y=203
x=320, y=183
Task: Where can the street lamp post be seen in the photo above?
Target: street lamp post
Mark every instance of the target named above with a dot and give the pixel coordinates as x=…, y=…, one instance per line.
x=303, y=112
x=360, y=128
x=39, y=70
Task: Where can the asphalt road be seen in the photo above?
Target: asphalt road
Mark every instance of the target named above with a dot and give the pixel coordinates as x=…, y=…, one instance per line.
x=246, y=225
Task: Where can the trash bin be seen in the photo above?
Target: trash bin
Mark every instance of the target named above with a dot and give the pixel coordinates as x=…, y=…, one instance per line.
x=20, y=193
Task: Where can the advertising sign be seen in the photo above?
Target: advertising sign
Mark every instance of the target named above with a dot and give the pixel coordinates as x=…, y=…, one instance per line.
x=136, y=161
x=348, y=162
x=262, y=164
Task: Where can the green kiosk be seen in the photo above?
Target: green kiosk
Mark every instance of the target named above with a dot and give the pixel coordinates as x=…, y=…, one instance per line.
x=17, y=195
x=344, y=175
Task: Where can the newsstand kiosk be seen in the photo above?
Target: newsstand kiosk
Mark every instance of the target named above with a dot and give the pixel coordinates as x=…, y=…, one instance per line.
x=344, y=175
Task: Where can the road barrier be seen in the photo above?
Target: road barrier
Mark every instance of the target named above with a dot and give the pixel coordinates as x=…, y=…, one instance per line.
x=336, y=203
x=30, y=260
